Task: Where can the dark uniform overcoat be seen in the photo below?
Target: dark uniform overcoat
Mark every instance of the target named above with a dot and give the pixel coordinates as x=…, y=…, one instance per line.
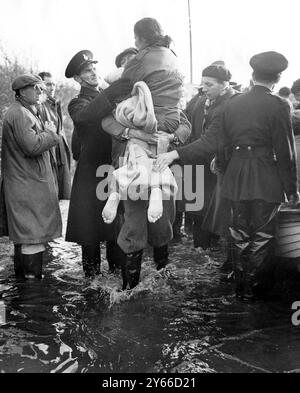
x=262, y=121
x=85, y=224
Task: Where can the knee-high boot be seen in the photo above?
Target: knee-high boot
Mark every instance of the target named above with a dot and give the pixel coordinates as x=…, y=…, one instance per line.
x=240, y=254
x=33, y=265
x=18, y=261
x=160, y=256
x=115, y=256
x=91, y=259
x=131, y=270
x=227, y=266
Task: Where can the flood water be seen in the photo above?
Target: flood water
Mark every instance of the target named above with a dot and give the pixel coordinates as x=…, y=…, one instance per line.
x=182, y=319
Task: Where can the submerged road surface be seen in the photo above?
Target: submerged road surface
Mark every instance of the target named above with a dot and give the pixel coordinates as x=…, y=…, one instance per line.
x=184, y=318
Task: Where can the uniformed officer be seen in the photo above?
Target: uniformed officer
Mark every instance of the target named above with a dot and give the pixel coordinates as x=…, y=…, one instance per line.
x=85, y=224
x=261, y=172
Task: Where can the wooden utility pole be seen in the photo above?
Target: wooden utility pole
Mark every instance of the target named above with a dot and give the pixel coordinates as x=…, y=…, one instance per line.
x=191, y=42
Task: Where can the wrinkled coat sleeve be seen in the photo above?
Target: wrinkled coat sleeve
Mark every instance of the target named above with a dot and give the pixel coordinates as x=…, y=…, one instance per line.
x=75, y=145
x=31, y=143
x=85, y=112
x=284, y=148
x=207, y=144
x=184, y=130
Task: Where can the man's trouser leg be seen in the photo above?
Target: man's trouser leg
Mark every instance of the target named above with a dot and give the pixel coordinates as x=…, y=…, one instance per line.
x=114, y=255
x=240, y=235
x=253, y=236
x=132, y=239
x=91, y=259
x=262, y=245
x=161, y=232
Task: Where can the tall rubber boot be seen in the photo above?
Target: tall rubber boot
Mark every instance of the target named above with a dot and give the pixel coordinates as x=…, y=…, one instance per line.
x=91, y=259
x=240, y=255
x=131, y=270
x=160, y=256
x=261, y=268
x=227, y=265
x=116, y=258
x=33, y=265
x=18, y=261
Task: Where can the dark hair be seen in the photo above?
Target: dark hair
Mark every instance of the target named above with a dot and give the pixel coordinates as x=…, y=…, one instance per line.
x=45, y=74
x=266, y=77
x=150, y=30
x=296, y=87
x=284, y=92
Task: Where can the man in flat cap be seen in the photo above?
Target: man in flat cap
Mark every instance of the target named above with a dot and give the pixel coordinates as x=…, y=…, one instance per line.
x=31, y=200
x=216, y=91
x=85, y=224
x=259, y=146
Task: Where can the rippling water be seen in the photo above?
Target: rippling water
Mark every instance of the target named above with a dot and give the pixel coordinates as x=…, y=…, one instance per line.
x=181, y=319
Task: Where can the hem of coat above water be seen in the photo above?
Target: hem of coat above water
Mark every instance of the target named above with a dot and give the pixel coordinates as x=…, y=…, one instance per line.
x=251, y=198
x=39, y=241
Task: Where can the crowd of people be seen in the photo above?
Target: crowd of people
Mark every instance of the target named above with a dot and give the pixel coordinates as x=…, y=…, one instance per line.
x=127, y=140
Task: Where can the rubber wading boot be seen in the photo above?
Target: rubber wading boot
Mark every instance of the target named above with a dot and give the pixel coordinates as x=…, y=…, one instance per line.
x=114, y=255
x=131, y=269
x=33, y=265
x=160, y=256
x=91, y=260
x=18, y=261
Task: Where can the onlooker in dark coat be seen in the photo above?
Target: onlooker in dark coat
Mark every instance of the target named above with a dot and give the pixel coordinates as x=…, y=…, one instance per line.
x=85, y=224
x=201, y=111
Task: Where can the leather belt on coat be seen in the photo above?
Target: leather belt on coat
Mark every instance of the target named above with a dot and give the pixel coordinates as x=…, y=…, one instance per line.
x=246, y=151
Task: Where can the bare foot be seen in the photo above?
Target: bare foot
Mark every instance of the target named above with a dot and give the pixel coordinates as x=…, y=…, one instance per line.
x=110, y=209
x=155, y=208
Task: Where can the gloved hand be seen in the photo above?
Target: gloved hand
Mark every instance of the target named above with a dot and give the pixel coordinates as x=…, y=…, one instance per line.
x=118, y=90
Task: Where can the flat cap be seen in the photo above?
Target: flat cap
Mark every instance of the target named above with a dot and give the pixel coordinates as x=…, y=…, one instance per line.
x=217, y=71
x=26, y=80
x=78, y=61
x=269, y=63
x=126, y=52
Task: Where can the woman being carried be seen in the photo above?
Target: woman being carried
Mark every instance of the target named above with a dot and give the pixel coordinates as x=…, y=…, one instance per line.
x=154, y=68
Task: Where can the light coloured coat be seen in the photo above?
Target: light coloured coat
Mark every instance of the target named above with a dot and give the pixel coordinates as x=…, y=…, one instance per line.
x=30, y=194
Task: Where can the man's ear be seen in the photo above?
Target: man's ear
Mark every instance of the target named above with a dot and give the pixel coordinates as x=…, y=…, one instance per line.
x=77, y=79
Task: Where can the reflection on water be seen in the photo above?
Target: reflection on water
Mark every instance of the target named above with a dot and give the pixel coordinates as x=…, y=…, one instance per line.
x=182, y=319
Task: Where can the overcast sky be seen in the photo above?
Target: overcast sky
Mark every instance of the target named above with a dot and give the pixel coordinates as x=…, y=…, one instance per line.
x=49, y=32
